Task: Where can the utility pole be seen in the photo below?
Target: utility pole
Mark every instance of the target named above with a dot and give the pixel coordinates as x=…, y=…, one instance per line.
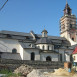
x=3, y=4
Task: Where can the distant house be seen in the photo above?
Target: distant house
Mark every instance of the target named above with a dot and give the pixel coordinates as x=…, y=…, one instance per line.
x=75, y=55
x=31, y=46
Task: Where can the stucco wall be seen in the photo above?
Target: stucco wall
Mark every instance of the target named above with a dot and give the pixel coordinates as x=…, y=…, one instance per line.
x=65, y=54
x=54, y=57
x=11, y=56
x=51, y=47
x=8, y=44
x=27, y=54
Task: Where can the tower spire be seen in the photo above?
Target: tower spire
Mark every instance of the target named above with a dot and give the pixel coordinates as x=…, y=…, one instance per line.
x=66, y=1
x=67, y=9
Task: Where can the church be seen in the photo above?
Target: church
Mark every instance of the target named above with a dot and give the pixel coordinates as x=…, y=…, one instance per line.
x=41, y=47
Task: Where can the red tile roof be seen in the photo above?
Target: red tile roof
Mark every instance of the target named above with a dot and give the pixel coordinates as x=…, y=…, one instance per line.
x=75, y=51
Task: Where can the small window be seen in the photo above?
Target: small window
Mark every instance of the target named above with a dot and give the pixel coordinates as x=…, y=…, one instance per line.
x=71, y=59
x=72, y=38
x=43, y=47
x=9, y=36
x=14, y=50
x=70, y=25
x=48, y=47
x=27, y=37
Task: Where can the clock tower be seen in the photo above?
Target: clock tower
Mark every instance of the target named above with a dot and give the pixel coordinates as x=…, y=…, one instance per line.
x=68, y=27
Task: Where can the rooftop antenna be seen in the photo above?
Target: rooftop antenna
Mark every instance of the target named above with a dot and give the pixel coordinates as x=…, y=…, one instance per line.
x=3, y=5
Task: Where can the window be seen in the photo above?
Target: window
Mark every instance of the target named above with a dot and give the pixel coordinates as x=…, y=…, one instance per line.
x=14, y=50
x=71, y=59
x=72, y=38
x=56, y=46
x=43, y=47
x=48, y=58
x=9, y=36
x=33, y=56
x=48, y=47
x=61, y=57
x=70, y=25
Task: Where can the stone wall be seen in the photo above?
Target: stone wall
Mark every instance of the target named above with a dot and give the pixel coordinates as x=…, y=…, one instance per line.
x=13, y=64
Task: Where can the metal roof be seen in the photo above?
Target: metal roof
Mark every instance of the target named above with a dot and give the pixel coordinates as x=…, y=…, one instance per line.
x=15, y=33
x=44, y=40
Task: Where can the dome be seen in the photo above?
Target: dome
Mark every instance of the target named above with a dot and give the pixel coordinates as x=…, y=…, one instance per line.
x=44, y=40
x=45, y=31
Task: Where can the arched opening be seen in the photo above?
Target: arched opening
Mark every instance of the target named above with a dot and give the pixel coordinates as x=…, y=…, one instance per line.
x=71, y=58
x=48, y=47
x=61, y=57
x=48, y=58
x=33, y=56
x=43, y=47
x=72, y=38
x=14, y=50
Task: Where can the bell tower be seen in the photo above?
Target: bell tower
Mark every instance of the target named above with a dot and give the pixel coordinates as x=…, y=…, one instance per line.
x=68, y=27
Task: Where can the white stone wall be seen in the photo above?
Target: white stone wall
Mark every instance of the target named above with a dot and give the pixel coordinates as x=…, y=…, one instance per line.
x=21, y=51
x=11, y=56
x=54, y=57
x=51, y=47
x=9, y=44
x=6, y=45
x=27, y=54
x=65, y=54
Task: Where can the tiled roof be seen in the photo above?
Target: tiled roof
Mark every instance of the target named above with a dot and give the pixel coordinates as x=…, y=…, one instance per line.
x=75, y=51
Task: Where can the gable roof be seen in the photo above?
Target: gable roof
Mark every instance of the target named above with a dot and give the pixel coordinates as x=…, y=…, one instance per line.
x=15, y=33
x=75, y=51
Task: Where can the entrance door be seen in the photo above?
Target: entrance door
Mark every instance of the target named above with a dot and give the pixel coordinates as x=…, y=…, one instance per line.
x=48, y=58
x=33, y=56
x=71, y=58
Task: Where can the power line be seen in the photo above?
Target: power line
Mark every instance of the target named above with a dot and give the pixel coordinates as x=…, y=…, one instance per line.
x=3, y=5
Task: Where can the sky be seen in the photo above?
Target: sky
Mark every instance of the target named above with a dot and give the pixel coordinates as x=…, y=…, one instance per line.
x=28, y=15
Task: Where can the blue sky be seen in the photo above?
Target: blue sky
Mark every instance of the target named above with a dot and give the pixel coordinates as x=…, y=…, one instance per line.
x=27, y=15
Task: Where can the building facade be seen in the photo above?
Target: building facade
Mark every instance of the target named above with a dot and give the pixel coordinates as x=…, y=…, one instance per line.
x=31, y=46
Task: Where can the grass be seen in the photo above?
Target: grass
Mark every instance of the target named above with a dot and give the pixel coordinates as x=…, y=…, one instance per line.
x=8, y=73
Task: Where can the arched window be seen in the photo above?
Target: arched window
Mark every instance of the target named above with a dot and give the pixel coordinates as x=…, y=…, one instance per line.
x=48, y=58
x=61, y=57
x=33, y=56
x=43, y=47
x=72, y=38
x=14, y=50
x=48, y=47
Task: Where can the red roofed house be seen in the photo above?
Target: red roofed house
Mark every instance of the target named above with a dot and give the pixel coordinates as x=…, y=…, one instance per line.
x=75, y=55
